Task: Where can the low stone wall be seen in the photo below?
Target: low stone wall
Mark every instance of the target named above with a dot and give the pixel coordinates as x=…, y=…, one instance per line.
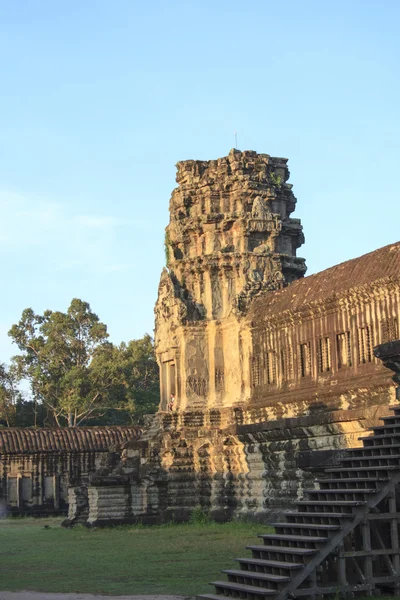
x=38, y=465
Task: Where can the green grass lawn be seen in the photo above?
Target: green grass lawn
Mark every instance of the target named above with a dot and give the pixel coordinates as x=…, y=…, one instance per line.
x=167, y=559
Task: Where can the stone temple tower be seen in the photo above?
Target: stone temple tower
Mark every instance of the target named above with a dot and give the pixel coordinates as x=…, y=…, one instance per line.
x=262, y=385
x=230, y=238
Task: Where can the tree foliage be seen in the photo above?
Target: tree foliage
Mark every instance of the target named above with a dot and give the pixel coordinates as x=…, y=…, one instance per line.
x=142, y=377
x=74, y=371
x=9, y=395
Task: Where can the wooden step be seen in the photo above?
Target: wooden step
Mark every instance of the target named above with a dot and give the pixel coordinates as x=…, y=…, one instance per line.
x=382, y=436
x=209, y=596
x=350, y=479
x=390, y=419
x=240, y=587
x=357, y=469
x=373, y=448
x=257, y=575
x=322, y=526
x=292, y=538
x=282, y=550
x=300, y=531
x=342, y=491
x=342, y=480
x=372, y=458
x=333, y=515
x=270, y=564
x=347, y=503
x=382, y=427
x=374, y=451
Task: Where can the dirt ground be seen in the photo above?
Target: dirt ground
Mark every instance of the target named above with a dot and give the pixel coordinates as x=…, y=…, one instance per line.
x=42, y=596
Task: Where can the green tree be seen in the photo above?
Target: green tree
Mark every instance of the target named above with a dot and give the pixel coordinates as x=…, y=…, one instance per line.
x=76, y=375
x=71, y=367
x=142, y=377
x=30, y=413
x=9, y=395
x=139, y=393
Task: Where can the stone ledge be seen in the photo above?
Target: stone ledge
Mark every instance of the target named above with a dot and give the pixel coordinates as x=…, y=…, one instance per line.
x=306, y=421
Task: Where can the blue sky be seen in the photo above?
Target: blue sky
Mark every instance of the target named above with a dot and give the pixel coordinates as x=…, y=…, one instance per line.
x=100, y=99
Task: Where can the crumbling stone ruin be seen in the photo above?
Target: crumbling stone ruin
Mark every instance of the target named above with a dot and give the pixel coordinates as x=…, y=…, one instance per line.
x=38, y=465
x=266, y=375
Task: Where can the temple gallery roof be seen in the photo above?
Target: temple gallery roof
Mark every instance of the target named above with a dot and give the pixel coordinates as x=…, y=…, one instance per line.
x=16, y=440
x=381, y=264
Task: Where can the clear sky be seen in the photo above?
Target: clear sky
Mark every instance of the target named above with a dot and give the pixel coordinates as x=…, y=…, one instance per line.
x=100, y=98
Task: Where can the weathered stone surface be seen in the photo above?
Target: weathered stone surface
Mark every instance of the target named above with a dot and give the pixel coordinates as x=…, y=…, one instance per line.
x=265, y=375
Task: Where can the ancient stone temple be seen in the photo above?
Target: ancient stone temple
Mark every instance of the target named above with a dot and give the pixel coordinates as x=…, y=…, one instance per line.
x=266, y=375
x=230, y=239
x=37, y=465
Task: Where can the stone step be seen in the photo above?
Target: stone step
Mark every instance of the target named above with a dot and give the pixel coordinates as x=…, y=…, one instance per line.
x=257, y=575
x=244, y=589
x=301, y=539
x=282, y=550
x=270, y=564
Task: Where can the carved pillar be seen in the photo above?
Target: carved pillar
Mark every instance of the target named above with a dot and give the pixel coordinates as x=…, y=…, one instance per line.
x=208, y=294
x=225, y=293
x=56, y=490
x=212, y=332
x=19, y=490
x=163, y=386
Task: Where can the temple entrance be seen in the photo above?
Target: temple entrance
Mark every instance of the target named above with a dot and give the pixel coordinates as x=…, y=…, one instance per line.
x=168, y=386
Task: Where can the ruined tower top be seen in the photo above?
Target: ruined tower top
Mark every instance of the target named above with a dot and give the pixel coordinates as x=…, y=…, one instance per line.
x=230, y=235
x=230, y=238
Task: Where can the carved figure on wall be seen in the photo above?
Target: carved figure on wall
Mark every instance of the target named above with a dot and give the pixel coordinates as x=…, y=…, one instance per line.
x=219, y=380
x=262, y=249
x=256, y=275
x=260, y=209
x=197, y=386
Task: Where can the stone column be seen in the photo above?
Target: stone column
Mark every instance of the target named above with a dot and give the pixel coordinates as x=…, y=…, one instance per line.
x=208, y=294
x=56, y=491
x=224, y=293
x=19, y=490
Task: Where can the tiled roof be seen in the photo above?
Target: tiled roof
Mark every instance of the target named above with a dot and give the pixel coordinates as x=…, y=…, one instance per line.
x=16, y=440
x=383, y=263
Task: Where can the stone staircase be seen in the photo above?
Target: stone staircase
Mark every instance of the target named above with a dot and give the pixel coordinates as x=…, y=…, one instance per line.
x=343, y=538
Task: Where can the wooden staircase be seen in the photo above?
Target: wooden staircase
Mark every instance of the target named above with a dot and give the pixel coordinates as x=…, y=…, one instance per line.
x=343, y=538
